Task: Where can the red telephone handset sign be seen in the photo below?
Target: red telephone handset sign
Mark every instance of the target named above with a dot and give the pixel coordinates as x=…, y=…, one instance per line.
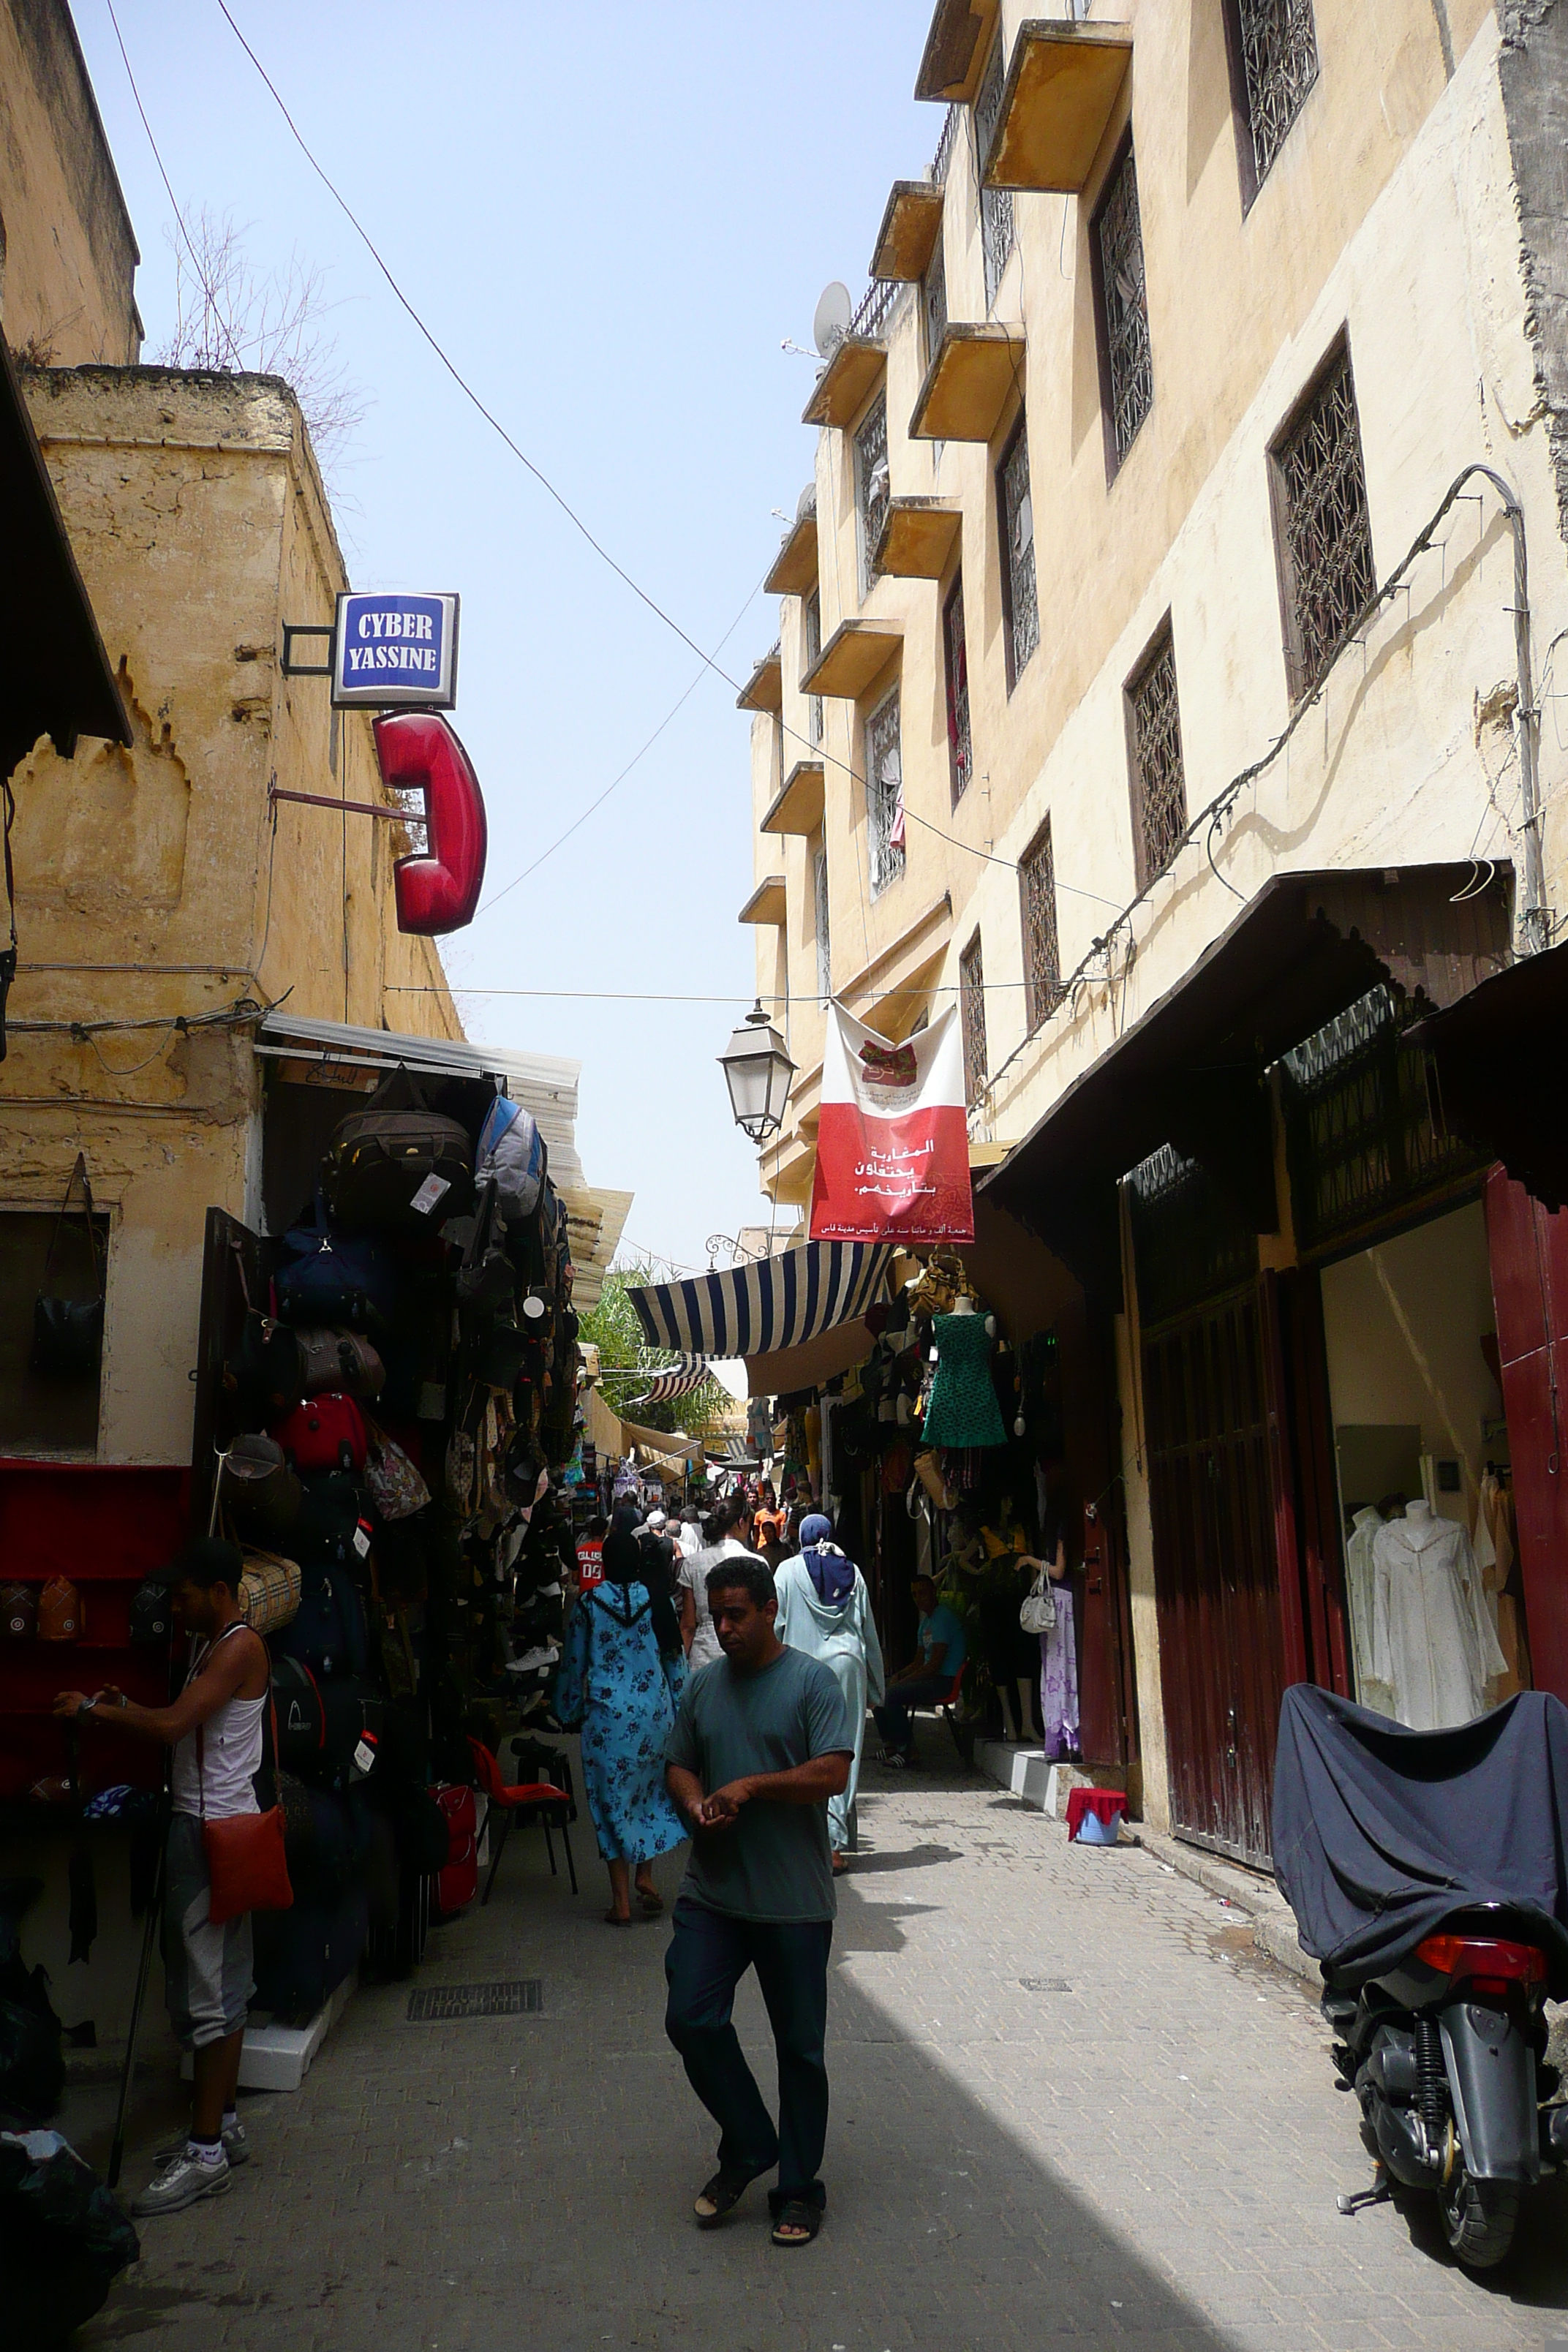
x=438, y=892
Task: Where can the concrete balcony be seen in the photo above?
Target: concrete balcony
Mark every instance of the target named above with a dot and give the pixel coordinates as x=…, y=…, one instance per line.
x=918, y=538
x=910, y=227
x=852, y=660
x=848, y=381
x=970, y=382
x=1062, y=91
x=763, y=690
x=793, y=570
x=797, y=805
x=957, y=49
x=767, y=903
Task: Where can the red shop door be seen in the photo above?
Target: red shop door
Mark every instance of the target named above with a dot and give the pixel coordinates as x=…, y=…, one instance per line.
x=1528, y=1245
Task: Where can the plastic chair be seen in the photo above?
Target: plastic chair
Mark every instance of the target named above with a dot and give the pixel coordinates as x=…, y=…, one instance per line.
x=947, y=1707
x=540, y=1798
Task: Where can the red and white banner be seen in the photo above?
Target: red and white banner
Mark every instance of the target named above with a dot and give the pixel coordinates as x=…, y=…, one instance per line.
x=892, y=1146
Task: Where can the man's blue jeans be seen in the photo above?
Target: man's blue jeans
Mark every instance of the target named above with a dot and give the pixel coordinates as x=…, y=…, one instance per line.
x=709, y=1954
x=893, y=1716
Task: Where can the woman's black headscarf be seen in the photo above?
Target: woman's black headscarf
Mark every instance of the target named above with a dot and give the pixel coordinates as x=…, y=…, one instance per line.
x=623, y=1565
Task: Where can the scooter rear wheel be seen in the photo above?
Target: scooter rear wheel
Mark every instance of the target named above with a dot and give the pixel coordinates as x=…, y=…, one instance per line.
x=1479, y=2218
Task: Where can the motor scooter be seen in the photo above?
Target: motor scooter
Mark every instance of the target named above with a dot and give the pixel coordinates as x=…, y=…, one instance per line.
x=1427, y=1874
x=1445, y=2053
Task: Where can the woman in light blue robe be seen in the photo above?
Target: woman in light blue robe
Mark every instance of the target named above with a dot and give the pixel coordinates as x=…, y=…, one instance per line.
x=824, y=1610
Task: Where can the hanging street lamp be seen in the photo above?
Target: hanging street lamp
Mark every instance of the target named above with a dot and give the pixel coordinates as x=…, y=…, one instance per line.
x=757, y=1070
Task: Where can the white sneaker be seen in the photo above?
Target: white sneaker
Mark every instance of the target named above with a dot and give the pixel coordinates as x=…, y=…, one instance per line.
x=182, y=2181
x=236, y=2146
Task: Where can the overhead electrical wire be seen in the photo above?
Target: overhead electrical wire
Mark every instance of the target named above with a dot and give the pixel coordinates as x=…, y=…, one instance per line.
x=567, y=508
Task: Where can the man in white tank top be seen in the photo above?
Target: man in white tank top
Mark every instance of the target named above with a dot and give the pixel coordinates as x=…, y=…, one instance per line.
x=214, y=1730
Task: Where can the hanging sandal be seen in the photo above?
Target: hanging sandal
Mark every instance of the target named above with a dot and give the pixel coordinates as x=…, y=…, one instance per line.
x=800, y=2220
x=720, y=2196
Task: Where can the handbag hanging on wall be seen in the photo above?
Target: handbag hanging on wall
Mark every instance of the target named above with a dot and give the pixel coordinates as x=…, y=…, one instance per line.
x=68, y=1333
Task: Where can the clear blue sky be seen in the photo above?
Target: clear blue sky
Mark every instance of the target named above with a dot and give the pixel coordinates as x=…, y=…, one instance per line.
x=612, y=215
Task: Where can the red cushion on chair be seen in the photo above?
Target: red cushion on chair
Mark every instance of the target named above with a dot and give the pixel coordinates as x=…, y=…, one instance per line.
x=529, y=1792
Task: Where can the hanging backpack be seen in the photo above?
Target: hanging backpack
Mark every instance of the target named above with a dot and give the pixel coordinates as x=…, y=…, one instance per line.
x=152, y=1616
x=266, y=1371
x=18, y=1611
x=59, y=1611
x=512, y=1155
x=256, y=1484
x=398, y=1166
x=68, y=1333
x=325, y=1432
x=331, y=1277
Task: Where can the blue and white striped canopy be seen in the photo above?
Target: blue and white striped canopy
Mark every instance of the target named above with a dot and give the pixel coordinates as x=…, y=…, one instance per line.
x=775, y=1302
x=678, y=1380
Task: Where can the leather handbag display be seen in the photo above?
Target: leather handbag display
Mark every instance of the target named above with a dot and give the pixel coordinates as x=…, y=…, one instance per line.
x=325, y=1432
x=266, y=1371
x=248, y=1863
x=340, y=1361
x=258, y=1485
x=269, y=1591
x=152, y=1616
x=397, y=1165
x=18, y=1611
x=396, y=1487
x=68, y=1333
x=59, y=1611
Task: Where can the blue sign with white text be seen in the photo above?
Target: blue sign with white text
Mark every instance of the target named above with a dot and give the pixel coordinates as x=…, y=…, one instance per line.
x=395, y=653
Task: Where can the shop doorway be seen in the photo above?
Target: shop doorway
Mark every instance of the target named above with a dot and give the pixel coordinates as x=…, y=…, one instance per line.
x=1211, y=1428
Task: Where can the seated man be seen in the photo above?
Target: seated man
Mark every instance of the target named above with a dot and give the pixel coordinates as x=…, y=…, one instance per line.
x=927, y=1679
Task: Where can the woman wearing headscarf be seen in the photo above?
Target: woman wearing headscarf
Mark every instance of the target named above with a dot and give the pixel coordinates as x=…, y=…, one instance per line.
x=824, y=1610
x=621, y=1676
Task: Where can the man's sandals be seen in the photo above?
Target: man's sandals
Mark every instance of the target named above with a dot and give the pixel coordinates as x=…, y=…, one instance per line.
x=795, y=2224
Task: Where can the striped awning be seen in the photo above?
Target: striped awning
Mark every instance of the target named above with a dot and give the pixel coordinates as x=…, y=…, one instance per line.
x=774, y=1303
x=678, y=1380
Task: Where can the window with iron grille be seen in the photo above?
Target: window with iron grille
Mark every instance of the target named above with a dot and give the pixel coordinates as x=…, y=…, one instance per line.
x=1042, y=948
x=995, y=204
x=1126, y=363
x=819, y=902
x=1015, y=521
x=813, y=651
x=1359, y=1137
x=1159, y=783
x=955, y=663
x=1323, y=527
x=1274, y=63
x=933, y=302
x=871, y=485
x=884, y=795
x=971, y=1015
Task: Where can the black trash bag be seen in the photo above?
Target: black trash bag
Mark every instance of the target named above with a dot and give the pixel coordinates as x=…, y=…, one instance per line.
x=63, y=2238
x=32, y=2067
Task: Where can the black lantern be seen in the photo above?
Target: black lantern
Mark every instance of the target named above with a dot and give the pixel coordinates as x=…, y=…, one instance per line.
x=757, y=1070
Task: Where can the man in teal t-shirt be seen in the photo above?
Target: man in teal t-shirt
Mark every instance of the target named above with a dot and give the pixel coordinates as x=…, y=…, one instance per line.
x=940, y=1650
x=761, y=1741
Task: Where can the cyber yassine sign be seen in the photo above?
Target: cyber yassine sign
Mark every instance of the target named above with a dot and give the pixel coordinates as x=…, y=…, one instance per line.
x=395, y=653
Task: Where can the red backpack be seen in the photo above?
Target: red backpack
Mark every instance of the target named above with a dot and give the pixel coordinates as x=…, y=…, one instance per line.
x=325, y=1432
x=458, y=1883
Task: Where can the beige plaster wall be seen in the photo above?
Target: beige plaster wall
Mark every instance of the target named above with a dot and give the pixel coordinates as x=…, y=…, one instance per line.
x=68, y=254
x=151, y=886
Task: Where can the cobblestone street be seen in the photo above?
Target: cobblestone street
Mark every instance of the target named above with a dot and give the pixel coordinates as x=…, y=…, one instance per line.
x=1071, y=2106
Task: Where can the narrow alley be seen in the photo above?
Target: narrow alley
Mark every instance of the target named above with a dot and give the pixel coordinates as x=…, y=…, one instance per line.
x=1071, y=2106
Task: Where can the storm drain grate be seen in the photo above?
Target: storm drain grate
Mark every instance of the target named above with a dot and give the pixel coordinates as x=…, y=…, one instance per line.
x=1045, y=1984
x=448, y=2004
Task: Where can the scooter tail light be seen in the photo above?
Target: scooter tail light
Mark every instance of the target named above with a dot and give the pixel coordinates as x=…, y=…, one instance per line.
x=1491, y=1962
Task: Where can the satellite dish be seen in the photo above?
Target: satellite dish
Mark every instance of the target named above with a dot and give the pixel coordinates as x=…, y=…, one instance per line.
x=807, y=502
x=831, y=324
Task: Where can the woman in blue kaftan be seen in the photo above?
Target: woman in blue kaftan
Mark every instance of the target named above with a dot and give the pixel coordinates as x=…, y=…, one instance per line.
x=620, y=1676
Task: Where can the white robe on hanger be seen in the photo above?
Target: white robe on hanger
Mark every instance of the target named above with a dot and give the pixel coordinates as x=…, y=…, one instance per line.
x=1432, y=1644
x=1361, y=1581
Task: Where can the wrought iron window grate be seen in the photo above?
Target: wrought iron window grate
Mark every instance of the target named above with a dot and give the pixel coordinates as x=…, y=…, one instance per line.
x=1188, y=1244
x=884, y=795
x=1280, y=63
x=972, y=1017
x=872, y=491
x=934, y=302
x=1158, y=772
x=995, y=204
x=1042, y=947
x=944, y=145
x=1119, y=235
x=813, y=652
x=875, y=308
x=1358, y=1124
x=1327, y=530
x=955, y=659
x=819, y=903
x=1018, y=522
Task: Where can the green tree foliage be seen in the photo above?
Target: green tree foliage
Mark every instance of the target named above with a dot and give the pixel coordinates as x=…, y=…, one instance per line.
x=613, y=1328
